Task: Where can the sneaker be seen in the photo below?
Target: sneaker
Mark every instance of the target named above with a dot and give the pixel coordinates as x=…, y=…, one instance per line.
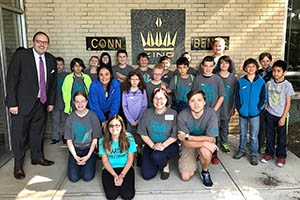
x=225, y=148
x=280, y=162
x=239, y=154
x=207, y=182
x=265, y=158
x=262, y=150
x=215, y=160
x=253, y=160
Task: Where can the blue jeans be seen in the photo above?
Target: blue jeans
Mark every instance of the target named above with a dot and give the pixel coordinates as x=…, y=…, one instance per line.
x=154, y=160
x=271, y=124
x=254, y=129
x=58, y=121
x=86, y=172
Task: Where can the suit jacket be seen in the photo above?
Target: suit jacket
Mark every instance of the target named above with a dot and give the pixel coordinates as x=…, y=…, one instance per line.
x=22, y=83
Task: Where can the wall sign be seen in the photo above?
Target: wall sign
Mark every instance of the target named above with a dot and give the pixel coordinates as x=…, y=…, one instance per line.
x=105, y=43
x=205, y=42
x=158, y=33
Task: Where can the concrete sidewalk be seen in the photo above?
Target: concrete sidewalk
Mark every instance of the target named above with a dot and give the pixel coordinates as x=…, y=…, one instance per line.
x=233, y=180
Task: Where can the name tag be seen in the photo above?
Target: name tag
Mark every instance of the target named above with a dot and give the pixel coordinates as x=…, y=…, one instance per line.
x=169, y=117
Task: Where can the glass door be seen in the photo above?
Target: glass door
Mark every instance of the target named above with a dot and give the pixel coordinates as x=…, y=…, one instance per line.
x=10, y=40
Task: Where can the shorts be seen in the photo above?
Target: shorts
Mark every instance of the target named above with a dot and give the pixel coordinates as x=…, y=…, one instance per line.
x=187, y=159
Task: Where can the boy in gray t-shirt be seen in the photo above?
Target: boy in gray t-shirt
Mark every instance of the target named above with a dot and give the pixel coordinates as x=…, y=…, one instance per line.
x=197, y=129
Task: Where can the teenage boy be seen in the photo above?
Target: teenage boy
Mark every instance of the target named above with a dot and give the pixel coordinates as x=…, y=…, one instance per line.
x=181, y=84
x=197, y=130
x=143, y=68
x=213, y=87
x=278, y=105
x=122, y=69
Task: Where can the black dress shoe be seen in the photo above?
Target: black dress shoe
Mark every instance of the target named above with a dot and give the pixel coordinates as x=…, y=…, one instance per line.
x=54, y=141
x=42, y=161
x=19, y=173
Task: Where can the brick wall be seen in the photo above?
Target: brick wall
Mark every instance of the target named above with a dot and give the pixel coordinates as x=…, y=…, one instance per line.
x=254, y=26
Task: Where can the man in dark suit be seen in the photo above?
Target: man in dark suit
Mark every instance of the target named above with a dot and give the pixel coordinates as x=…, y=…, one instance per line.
x=31, y=89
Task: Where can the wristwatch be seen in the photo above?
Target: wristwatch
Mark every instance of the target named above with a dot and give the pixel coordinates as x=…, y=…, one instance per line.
x=187, y=136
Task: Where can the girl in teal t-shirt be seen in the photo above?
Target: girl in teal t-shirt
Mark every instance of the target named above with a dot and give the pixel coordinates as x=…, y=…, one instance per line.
x=117, y=149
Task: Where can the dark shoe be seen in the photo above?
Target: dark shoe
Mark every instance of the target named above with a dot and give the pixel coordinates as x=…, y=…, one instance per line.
x=19, y=173
x=63, y=139
x=164, y=175
x=253, y=160
x=43, y=162
x=239, y=154
x=54, y=141
x=207, y=182
x=139, y=160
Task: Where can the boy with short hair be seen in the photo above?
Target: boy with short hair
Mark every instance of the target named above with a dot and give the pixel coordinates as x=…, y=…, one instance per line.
x=156, y=82
x=94, y=64
x=278, y=105
x=191, y=70
x=58, y=115
x=213, y=87
x=250, y=99
x=122, y=69
x=181, y=84
x=143, y=68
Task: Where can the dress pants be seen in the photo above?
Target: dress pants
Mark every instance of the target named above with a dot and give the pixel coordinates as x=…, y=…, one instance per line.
x=29, y=127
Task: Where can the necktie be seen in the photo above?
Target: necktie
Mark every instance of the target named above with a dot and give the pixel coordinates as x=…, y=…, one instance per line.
x=43, y=96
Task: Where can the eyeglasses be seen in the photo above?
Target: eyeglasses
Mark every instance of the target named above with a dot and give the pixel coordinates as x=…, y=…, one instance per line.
x=114, y=125
x=41, y=42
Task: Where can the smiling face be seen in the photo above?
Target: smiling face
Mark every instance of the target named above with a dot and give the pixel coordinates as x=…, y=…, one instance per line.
x=122, y=58
x=115, y=127
x=159, y=101
x=197, y=103
x=94, y=62
x=40, y=43
x=208, y=68
x=265, y=62
x=143, y=62
x=80, y=102
x=218, y=48
x=105, y=59
x=251, y=69
x=166, y=64
x=224, y=66
x=104, y=76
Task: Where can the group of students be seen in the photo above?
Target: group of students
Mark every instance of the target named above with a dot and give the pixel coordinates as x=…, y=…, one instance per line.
x=160, y=107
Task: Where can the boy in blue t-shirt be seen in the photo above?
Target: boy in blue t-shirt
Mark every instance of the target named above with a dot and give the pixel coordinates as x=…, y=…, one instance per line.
x=58, y=115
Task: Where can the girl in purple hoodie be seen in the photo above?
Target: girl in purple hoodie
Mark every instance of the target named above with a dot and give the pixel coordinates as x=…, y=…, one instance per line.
x=134, y=102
